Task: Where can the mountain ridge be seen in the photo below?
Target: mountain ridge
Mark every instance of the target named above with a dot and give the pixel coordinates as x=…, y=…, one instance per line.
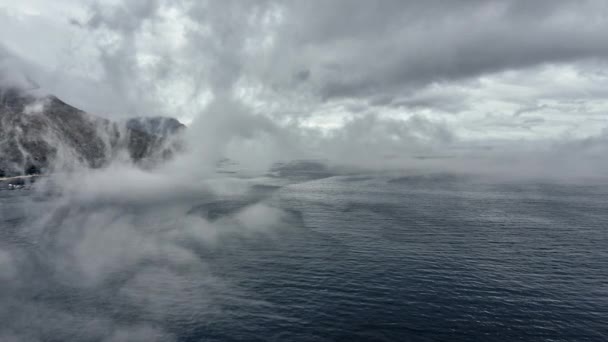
x=40, y=134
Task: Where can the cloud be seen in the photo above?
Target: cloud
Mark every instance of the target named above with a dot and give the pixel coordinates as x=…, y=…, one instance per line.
x=277, y=77
x=357, y=48
x=111, y=257
x=13, y=72
x=374, y=140
x=294, y=60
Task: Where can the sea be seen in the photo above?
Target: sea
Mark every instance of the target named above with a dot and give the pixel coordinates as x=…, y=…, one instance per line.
x=366, y=256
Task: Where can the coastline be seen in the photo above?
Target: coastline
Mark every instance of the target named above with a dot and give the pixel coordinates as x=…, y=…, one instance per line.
x=8, y=179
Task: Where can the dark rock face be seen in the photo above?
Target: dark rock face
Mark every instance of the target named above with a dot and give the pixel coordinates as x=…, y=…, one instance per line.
x=152, y=138
x=38, y=134
x=159, y=126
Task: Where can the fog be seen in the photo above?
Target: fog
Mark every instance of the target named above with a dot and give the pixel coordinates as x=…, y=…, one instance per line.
x=121, y=242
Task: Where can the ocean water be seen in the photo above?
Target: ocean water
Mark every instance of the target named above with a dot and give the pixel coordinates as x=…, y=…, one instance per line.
x=352, y=258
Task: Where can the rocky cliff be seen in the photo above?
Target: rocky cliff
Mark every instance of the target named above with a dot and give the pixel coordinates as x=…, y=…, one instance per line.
x=42, y=133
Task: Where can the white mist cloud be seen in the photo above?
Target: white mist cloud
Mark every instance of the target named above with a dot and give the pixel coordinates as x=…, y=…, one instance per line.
x=125, y=240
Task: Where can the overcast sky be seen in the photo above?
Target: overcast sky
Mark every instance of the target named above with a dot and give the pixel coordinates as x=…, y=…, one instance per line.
x=467, y=70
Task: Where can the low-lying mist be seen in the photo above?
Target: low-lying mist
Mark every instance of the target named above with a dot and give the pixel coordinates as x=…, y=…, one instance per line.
x=113, y=254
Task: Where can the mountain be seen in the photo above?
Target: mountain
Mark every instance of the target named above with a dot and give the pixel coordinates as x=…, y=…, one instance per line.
x=158, y=125
x=42, y=133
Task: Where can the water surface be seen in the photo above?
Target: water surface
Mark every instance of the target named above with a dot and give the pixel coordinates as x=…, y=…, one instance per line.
x=366, y=257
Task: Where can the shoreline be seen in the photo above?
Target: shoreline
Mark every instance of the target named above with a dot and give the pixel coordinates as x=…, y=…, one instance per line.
x=8, y=179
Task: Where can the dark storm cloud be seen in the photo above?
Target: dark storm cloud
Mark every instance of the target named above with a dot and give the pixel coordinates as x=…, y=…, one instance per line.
x=219, y=36
x=127, y=17
x=449, y=102
x=358, y=48
x=530, y=109
x=375, y=50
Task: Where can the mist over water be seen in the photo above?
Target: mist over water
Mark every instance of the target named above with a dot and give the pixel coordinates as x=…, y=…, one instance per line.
x=117, y=254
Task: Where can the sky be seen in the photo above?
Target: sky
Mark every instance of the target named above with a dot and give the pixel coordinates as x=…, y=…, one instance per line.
x=382, y=73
